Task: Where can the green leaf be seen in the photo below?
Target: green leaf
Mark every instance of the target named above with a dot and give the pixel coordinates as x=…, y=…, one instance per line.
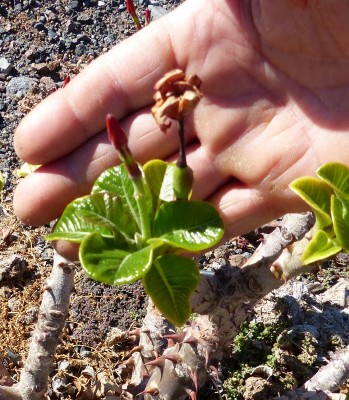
x=320, y=248
x=104, y=262
x=170, y=282
x=188, y=225
x=116, y=180
x=26, y=169
x=103, y=213
x=159, y=175
x=134, y=193
x=317, y=195
x=340, y=223
x=167, y=192
x=100, y=258
x=134, y=266
x=336, y=175
x=154, y=172
x=2, y=181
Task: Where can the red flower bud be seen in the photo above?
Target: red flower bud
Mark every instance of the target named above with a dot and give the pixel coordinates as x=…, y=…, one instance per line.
x=130, y=7
x=147, y=16
x=116, y=135
x=118, y=139
x=132, y=11
x=66, y=81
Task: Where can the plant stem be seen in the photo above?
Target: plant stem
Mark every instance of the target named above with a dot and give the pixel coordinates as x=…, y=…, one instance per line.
x=183, y=174
x=141, y=197
x=182, y=161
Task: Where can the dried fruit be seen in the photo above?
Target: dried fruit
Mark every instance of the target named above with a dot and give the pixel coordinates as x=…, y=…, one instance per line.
x=175, y=96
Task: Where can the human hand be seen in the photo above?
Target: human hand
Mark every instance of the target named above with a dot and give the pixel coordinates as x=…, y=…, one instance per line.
x=275, y=81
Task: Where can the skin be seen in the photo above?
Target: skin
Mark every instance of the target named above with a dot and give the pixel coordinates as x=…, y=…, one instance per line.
x=275, y=83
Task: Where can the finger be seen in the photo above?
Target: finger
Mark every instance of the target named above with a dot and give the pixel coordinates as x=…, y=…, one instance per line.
x=207, y=179
x=243, y=208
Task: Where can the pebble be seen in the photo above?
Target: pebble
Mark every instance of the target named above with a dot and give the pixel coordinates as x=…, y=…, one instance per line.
x=72, y=26
x=157, y=12
x=5, y=66
x=84, y=19
x=40, y=27
x=73, y=5
x=19, y=86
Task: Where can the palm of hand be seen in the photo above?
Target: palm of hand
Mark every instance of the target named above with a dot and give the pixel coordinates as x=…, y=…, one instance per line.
x=263, y=122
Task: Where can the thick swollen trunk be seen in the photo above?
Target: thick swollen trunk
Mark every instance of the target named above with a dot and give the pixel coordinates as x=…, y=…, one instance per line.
x=51, y=319
x=223, y=299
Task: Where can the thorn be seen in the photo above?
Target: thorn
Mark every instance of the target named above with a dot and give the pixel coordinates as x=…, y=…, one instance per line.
x=207, y=357
x=194, y=376
x=135, y=349
x=129, y=362
x=153, y=390
x=135, y=332
x=191, y=340
x=177, y=337
x=191, y=394
x=174, y=358
x=158, y=362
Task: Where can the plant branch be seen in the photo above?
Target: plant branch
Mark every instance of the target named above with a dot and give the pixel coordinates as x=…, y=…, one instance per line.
x=51, y=319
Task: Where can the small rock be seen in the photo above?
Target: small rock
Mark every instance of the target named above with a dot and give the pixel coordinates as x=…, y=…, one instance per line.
x=19, y=86
x=72, y=26
x=157, y=12
x=85, y=352
x=84, y=19
x=337, y=294
x=52, y=35
x=42, y=19
x=89, y=372
x=73, y=5
x=5, y=66
x=83, y=38
x=40, y=27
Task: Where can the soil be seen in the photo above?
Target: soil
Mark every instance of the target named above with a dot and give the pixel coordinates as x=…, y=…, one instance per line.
x=42, y=43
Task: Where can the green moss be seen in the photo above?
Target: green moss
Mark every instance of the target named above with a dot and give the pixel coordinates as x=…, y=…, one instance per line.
x=253, y=346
